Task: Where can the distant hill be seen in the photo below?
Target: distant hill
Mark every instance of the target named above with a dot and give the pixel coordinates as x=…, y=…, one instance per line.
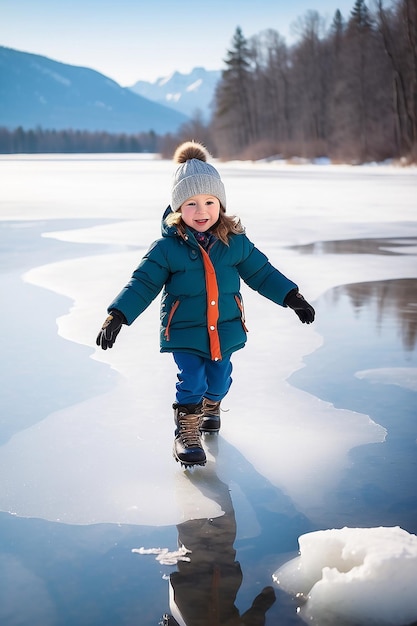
x=186, y=93
x=37, y=91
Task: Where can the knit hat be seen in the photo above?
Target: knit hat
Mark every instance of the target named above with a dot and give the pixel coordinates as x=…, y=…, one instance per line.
x=194, y=176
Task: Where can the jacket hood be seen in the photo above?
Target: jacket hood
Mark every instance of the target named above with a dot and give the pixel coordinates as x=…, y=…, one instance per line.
x=171, y=231
x=167, y=231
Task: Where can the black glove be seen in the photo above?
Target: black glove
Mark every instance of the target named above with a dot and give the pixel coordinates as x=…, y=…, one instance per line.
x=302, y=308
x=110, y=329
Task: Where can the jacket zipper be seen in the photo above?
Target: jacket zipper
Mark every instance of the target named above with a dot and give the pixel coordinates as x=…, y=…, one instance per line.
x=242, y=312
x=174, y=307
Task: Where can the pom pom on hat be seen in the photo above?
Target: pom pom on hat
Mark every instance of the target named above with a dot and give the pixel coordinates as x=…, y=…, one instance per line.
x=194, y=175
x=190, y=150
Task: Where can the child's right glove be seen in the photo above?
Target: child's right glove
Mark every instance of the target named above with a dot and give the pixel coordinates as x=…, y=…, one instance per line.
x=302, y=308
x=110, y=329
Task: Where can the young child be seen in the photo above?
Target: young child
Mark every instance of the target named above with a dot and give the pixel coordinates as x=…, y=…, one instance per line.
x=198, y=262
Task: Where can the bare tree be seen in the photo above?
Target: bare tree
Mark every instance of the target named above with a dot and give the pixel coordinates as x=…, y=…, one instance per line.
x=338, y=101
x=310, y=84
x=271, y=68
x=398, y=28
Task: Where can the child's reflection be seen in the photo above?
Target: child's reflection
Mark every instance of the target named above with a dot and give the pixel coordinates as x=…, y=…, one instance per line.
x=203, y=590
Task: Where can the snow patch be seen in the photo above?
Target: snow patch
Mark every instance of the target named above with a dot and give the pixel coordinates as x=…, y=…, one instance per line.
x=361, y=576
x=195, y=85
x=173, y=97
x=57, y=77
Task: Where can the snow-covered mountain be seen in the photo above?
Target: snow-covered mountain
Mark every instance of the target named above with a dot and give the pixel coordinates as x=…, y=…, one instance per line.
x=37, y=91
x=186, y=93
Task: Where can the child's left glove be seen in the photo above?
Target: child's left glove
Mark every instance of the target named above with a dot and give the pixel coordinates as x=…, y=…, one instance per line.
x=302, y=308
x=110, y=329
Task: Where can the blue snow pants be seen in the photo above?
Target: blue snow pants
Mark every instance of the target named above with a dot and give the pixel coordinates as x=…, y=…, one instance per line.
x=199, y=377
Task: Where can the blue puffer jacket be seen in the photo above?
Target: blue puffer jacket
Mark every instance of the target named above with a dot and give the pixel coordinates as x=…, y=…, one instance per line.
x=201, y=306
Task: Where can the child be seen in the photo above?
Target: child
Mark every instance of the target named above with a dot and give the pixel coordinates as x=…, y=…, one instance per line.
x=198, y=262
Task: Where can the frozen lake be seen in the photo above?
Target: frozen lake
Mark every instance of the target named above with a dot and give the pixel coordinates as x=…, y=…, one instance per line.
x=320, y=428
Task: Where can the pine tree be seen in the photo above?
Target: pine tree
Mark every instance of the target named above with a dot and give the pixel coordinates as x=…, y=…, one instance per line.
x=233, y=111
x=338, y=27
x=359, y=16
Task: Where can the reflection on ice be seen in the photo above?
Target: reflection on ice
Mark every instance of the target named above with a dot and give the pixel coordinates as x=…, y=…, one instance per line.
x=204, y=587
x=387, y=246
x=405, y=377
x=354, y=577
x=398, y=296
x=388, y=298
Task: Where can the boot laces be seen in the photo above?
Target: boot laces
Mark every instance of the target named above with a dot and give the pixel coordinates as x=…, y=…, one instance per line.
x=188, y=426
x=210, y=407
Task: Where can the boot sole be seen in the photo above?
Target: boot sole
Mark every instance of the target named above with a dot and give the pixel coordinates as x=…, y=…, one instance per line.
x=210, y=425
x=189, y=465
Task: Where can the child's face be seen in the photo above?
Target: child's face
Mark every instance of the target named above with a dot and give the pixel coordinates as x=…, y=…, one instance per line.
x=201, y=212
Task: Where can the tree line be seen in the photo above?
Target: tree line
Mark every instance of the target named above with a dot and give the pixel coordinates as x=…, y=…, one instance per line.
x=347, y=91
x=43, y=141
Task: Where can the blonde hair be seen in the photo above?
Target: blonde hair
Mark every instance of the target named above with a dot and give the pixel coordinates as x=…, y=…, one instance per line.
x=225, y=226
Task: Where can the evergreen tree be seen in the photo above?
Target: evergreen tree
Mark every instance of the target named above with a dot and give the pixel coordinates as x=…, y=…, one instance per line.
x=359, y=16
x=337, y=28
x=234, y=124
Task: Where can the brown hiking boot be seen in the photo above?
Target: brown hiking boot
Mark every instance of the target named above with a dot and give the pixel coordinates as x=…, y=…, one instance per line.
x=210, y=420
x=187, y=444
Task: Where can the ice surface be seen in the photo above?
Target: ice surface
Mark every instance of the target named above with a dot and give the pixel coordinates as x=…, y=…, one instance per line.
x=358, y=576
x=108, y=458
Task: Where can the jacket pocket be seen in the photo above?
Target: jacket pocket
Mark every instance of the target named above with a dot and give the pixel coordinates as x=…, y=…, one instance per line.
x=174, y=307
x=239, y=303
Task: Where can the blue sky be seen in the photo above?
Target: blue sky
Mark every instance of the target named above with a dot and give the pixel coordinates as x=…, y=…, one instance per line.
x=130, y=40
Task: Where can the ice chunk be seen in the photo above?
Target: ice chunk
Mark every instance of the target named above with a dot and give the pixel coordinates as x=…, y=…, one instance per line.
x=358, y=576
x=164, y=555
